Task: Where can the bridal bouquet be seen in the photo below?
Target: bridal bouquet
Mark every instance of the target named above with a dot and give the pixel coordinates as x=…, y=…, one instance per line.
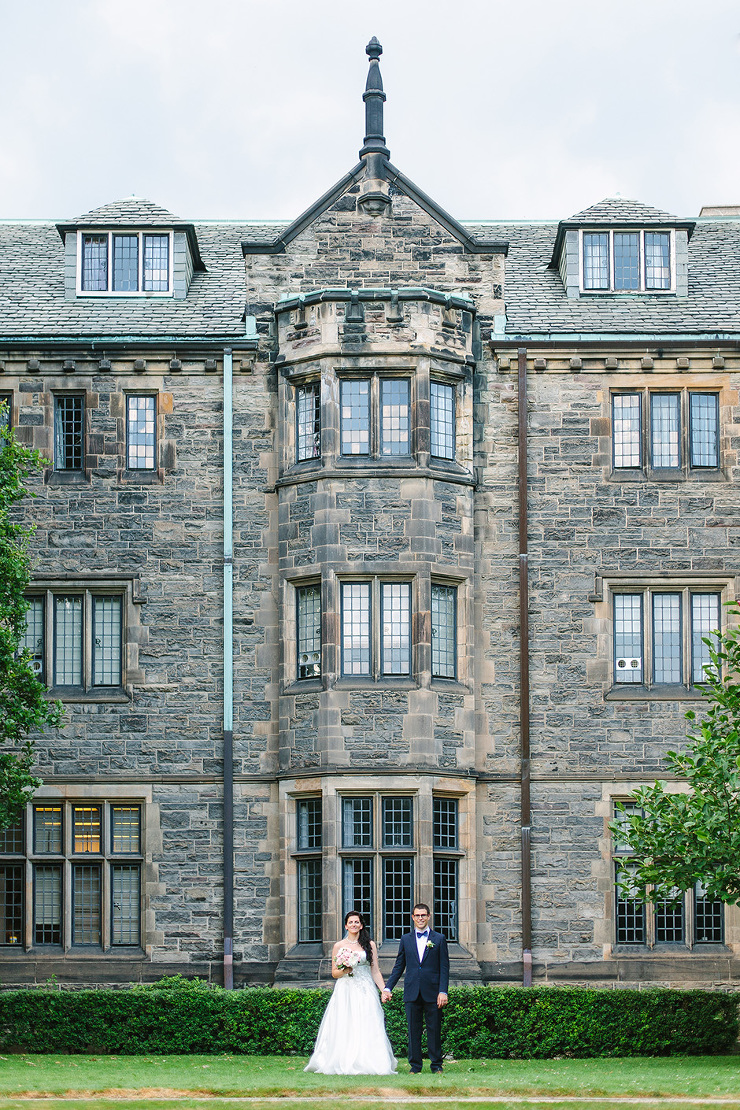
x=347, y=958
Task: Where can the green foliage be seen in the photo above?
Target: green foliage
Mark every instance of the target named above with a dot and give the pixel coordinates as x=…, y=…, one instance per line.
x=506, y=1022
x=25, y=708
x=680, y=839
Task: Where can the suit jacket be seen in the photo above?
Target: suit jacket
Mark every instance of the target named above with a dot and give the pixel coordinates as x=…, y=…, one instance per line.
x=426, y=979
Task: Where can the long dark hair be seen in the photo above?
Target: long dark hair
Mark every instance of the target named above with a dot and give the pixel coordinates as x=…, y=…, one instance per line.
x=363, y=937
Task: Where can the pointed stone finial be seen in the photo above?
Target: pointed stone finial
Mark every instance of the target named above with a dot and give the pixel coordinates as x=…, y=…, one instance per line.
x=374, y=98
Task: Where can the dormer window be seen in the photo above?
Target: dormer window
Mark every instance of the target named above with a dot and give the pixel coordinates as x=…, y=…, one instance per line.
x=125, y=262
x=627, y=261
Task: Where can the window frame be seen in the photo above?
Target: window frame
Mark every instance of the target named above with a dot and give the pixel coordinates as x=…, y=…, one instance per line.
x=7, y=421
x=432, y=423
x=647, y=592
x=63, y=858
x=374, y=618
x=299, y=589
x=59, y=399
x=302, y=388
x=643, y=288
x=112, y=234
x=646, y=440
x=89, y=593
x=375, y=453
x=136, y=394
x=651, y=913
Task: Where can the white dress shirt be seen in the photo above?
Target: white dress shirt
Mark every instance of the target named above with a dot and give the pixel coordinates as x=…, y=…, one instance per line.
x=421, y=943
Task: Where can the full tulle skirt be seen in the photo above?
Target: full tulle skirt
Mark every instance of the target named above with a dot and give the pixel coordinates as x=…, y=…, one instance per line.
x=352, y=1038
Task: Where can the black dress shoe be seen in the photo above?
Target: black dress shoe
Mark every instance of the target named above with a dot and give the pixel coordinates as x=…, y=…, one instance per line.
x=437, y=1070
x=416, y=1071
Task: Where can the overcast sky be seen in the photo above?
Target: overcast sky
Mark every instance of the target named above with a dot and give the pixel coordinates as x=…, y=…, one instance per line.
x=250, y=109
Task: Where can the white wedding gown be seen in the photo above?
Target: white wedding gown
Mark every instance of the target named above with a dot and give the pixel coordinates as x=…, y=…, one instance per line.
x=352, y=1038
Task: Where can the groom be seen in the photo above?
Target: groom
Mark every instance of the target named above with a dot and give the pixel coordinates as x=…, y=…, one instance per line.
x=423, y=955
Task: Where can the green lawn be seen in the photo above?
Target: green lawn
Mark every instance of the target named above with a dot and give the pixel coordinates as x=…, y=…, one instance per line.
x=270, y=1076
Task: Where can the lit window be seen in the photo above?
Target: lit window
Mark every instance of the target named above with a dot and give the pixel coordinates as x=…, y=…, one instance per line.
x=627, y=261
x=308, y=421
x=69, y=415
x=65, y=882
x=140, y=432
x=442, y=420
x=130, y=262
x=671, y=627
x=308, y=600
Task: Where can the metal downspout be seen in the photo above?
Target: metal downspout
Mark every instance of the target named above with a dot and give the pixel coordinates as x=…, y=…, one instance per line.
x=228, y=749
x=524, y=678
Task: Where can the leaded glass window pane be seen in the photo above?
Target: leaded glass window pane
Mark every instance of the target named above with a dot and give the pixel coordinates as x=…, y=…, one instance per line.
x=705, y=618
x=12, y=886
x=445, y=897
x=665, y=426
x=396, y=606
x=308, y=421
x=106, y=641
x=627, y=260
x=357, y=888
x=11, y=839
x=619, y=843
x=708, y=918
x=628, y=638
x=47, y=904
x=667, y=638
x=309, y=631
x=444, y=647
x=669, y=922
x=125, y=263
x=657, y=260
x=626, y=429
x=95, y=263
x=398, y=885
x=442, y=421
x=357, y=822
x=86, y=828
x=86, y=904
x=140, y=432
x=47, y=829
x=68, y=641
x=356, y=628
x=125, y=829
x=355, y=417
x=630, y=910
x=156, y=263
x=444, y=824
x=394, y=423
x=68, y=432
x=309, y=823
x=704, y=429
x=596, y=260
x=125, y=903
x=33, y=637
x=397, y=822
x=309, y=900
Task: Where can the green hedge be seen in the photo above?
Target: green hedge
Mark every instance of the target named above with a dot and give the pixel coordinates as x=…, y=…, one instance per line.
x=479, y=1022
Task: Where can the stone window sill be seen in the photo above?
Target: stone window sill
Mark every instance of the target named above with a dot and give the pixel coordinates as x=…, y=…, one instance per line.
x=653, y=693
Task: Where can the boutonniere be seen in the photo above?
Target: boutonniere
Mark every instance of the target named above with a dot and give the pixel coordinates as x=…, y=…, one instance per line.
x=430, y=944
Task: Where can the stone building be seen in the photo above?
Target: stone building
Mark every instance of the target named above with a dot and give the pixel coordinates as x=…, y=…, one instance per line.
x=279, y=563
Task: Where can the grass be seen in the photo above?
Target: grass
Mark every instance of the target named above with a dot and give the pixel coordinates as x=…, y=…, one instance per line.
x=270, y=1076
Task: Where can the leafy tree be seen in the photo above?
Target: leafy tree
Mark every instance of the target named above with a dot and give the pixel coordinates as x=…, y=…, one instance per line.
x=24, y=708
x=678, y=839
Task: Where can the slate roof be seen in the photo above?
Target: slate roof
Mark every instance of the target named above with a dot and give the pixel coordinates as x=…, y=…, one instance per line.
x=32, y=301
x=536, y=303
x=136, y=211
x=622, y=210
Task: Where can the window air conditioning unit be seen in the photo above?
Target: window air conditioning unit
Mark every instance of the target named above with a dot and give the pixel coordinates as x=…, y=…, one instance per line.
x=627, y=664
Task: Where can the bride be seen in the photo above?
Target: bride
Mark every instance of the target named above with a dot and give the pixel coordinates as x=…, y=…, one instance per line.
x=352, y=1038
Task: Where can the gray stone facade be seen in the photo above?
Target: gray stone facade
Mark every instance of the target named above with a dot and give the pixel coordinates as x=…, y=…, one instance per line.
x=373, y=285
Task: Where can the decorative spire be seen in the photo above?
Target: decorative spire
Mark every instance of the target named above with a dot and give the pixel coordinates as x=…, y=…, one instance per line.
x=374, y=98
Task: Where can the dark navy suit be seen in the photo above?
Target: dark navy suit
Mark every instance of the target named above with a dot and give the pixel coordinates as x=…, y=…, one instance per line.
x=421, y=985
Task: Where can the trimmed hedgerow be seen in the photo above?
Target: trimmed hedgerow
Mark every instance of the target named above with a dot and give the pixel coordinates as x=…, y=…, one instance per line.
x=479, y=1022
